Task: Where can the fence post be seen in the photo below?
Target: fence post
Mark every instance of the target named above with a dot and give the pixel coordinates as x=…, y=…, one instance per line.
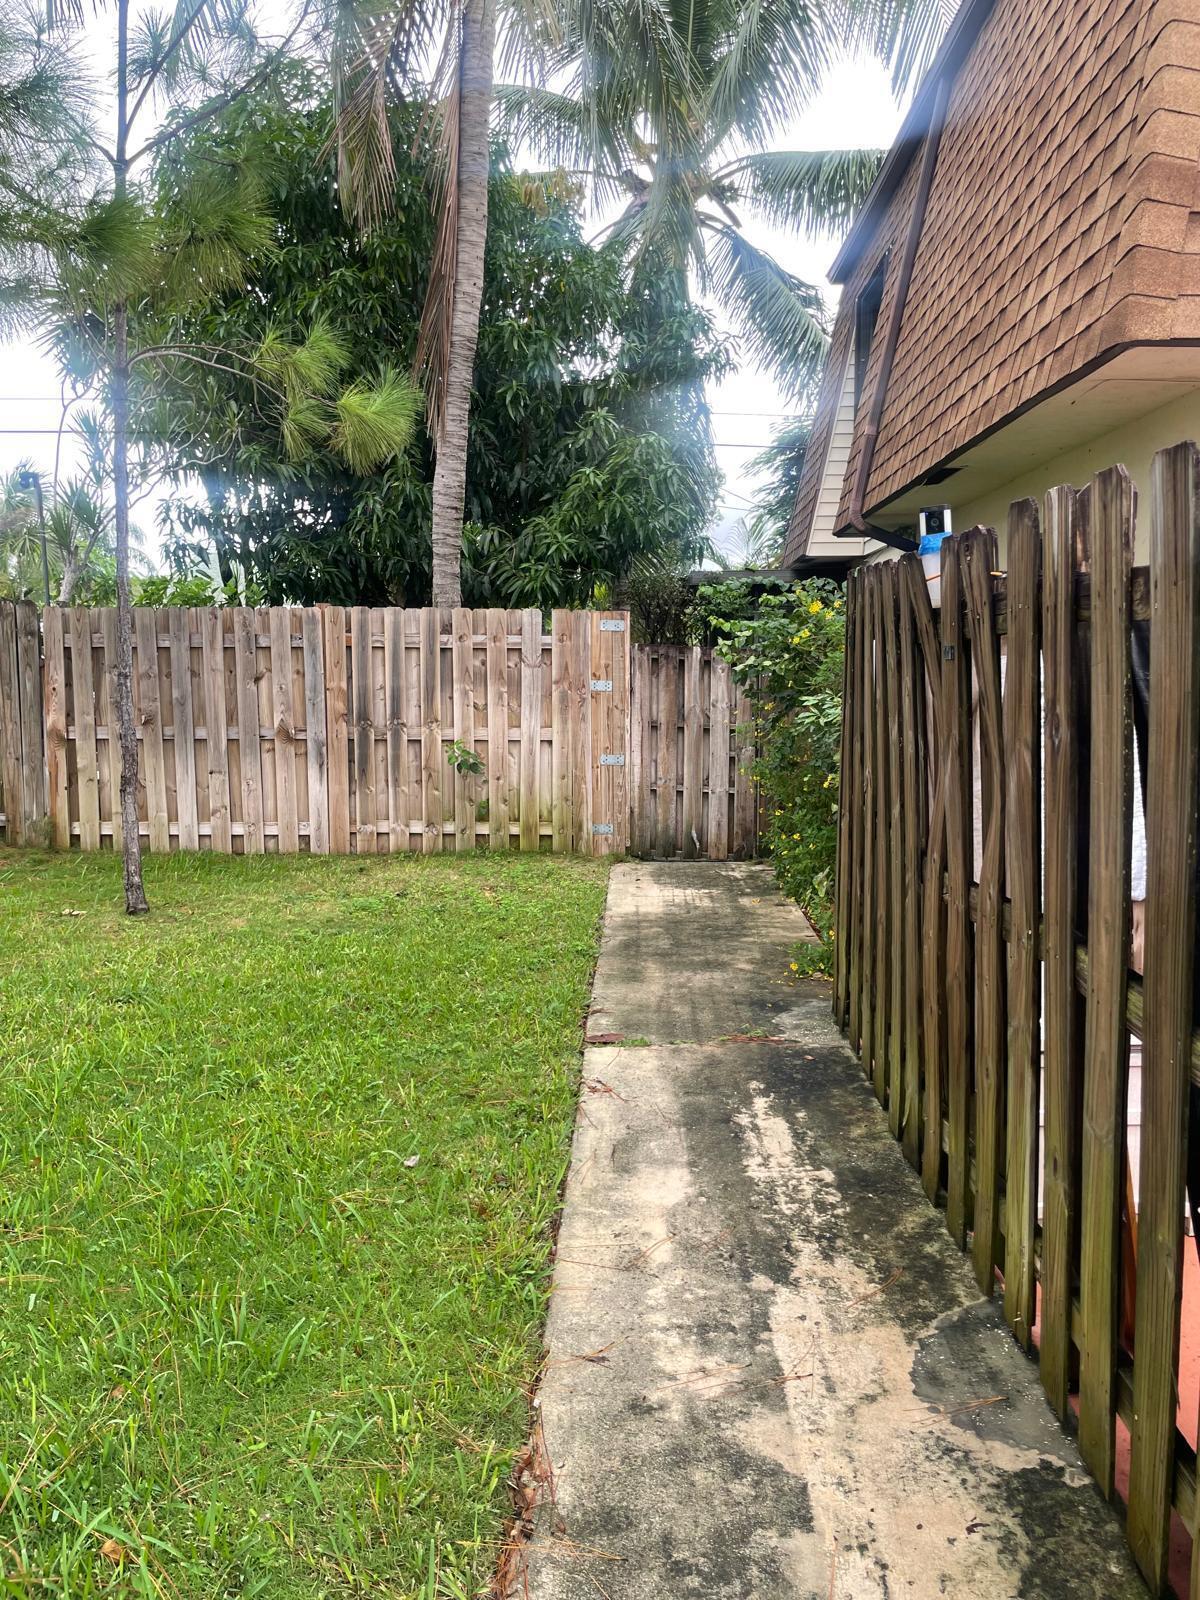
x=1022, y=706
x=1107, y=1044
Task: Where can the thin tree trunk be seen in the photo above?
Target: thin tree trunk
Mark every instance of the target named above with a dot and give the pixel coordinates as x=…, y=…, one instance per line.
x=135, y=893
x=131, y=838
x=450, y=471
x=70, y=577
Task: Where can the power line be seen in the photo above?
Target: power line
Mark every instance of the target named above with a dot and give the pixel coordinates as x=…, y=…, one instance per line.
x=716, y=411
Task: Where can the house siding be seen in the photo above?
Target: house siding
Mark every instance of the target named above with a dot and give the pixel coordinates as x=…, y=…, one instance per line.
x=1063, y=223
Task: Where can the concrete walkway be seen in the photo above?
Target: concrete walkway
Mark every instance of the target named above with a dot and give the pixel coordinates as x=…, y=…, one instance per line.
x=769, y=1371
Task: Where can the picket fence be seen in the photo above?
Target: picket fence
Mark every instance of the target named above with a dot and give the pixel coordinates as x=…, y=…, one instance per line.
x=342, y=730
x=982, y=981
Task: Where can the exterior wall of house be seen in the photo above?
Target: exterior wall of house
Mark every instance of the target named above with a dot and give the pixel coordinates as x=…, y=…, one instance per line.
x=1059, y=224
x=821, y=537
x=1133, y=445
x=1063, y=224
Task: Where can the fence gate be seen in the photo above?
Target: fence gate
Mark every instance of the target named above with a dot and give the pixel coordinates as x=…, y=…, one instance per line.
x=342, y=730
x=987, y=970
x=692, y=752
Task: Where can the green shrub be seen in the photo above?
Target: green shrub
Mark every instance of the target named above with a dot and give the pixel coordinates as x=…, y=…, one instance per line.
x=786, y=649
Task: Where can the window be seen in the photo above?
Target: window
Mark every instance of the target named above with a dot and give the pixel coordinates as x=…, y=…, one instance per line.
x=866, y=315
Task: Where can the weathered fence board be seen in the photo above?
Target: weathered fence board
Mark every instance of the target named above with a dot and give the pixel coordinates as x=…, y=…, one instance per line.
x=1036, y=664
x=912, y=818
x=1023, y=854
x=871, y=909
x=1106, y=1050
x=956, y=742
x=10, y=728
x=895, y=1024
x=330, y=729
x=1167, y=993
x=1062, y=1028
x=979, y=558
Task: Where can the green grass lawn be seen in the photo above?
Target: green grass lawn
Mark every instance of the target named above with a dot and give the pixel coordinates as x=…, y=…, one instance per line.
x=277, y=1169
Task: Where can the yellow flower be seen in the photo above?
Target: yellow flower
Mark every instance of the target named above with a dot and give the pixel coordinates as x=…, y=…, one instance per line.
x=814, y=608
x=795, y=966
x=795, y=638
x=804, y=633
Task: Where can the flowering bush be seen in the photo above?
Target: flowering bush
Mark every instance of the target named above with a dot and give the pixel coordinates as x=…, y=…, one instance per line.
x=786, y=649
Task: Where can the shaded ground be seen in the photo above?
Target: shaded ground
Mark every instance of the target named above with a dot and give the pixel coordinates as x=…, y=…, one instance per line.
x=770, y=1372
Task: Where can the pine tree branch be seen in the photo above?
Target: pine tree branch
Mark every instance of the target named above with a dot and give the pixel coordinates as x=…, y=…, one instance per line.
x=213, y=108
x=156, y=68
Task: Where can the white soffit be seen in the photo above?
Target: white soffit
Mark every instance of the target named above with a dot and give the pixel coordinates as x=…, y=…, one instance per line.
x=1130, y=385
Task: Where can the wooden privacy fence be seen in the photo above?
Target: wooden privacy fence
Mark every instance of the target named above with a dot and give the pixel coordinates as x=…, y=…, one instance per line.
x=984, y=966
x=333, y=729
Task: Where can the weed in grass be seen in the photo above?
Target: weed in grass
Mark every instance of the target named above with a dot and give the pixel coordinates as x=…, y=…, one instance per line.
x=246, y=1347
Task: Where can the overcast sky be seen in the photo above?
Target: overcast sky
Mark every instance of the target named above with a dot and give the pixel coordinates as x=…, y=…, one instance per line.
x=856, y=107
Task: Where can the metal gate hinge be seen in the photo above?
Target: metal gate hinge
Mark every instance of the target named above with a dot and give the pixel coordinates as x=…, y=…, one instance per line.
x=611, y=626
x=612, y=761
x=602, y=827
x=601, y=685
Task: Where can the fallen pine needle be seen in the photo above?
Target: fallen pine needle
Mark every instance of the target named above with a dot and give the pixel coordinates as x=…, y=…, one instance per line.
x=970, y=1405
x=879, y=1287
x=649, y=1250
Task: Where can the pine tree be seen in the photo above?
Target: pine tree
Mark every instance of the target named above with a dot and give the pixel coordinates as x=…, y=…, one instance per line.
x=112, y=231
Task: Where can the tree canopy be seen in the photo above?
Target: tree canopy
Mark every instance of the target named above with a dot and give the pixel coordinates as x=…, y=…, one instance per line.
x=590, y=448
x=670, y=112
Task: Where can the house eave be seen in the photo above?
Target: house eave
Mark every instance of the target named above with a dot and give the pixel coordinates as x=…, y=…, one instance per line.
x=1120, y=384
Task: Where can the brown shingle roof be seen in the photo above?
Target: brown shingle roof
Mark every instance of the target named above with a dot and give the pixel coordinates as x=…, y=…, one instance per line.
x=1063, y=223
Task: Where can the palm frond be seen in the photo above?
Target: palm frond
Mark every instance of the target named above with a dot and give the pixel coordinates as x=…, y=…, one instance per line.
x=432, y=357
x=781, y=320
x=633, y=71
x=904, y=33
x=810, y=191
x=373, y=51
x=560, y=129
x=772, y=62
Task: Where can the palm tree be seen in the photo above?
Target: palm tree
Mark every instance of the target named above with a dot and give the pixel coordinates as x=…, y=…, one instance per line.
x=680, y=143
x=378, y=53
x=656, y=94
